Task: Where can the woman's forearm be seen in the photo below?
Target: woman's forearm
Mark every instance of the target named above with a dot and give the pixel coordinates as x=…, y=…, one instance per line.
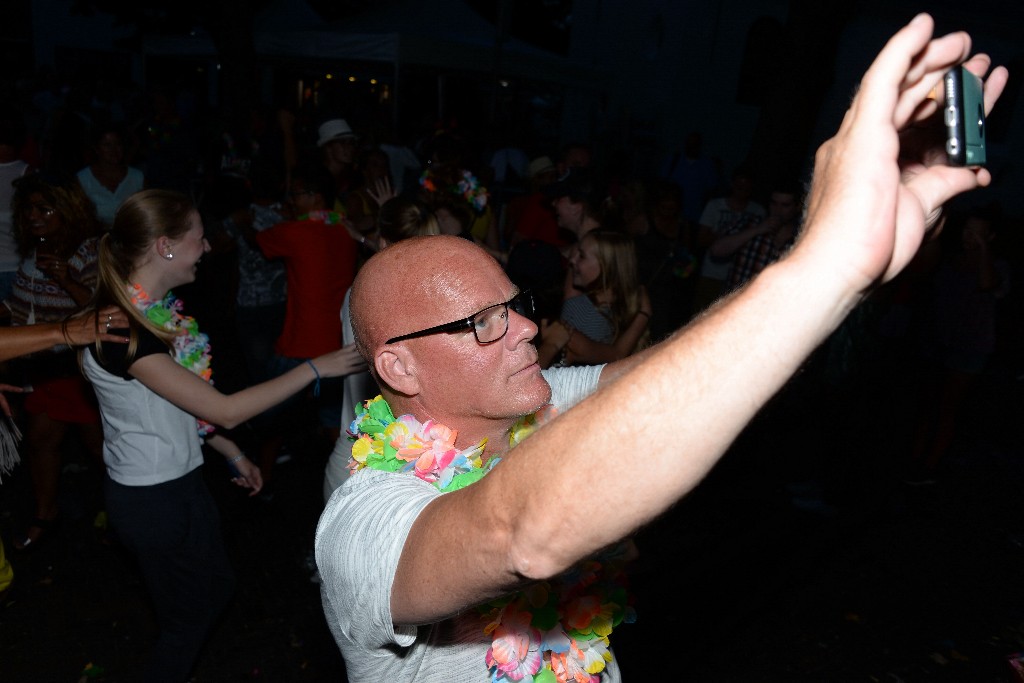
x=26, y=339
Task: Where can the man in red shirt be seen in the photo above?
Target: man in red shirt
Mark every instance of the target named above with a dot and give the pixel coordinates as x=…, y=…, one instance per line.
x=320, y=259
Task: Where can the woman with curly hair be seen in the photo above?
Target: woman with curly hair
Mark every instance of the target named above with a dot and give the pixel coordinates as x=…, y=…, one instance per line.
x=55, y=227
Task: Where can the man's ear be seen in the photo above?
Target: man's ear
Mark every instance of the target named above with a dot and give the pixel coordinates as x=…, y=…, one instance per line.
x=396, y=367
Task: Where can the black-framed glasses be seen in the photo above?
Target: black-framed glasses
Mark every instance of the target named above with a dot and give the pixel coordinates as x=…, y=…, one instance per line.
x=488, y=325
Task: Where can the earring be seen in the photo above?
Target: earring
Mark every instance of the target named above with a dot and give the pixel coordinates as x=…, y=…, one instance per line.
x=168, y=256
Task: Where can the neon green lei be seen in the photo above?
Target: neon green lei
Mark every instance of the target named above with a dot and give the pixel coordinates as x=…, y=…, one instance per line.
x=554, y=631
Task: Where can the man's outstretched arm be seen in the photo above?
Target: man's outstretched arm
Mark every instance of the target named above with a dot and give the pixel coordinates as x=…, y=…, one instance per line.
x=661, y=421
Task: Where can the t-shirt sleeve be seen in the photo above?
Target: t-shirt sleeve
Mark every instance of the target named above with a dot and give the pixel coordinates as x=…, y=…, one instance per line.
x=571, y=385
x=359, y=542
x=114, y=358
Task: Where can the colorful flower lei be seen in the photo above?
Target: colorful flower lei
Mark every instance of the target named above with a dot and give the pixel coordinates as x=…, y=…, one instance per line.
x=324, y=216
x=554, y=631
x=467, y=187
x=191, y=347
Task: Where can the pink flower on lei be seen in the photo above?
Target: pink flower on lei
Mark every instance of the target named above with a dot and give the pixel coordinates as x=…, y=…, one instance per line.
x=515, y=650
x=431, y=445
x=570, y=667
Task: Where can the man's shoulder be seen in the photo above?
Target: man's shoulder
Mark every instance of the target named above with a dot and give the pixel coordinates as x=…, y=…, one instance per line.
x=570, y=385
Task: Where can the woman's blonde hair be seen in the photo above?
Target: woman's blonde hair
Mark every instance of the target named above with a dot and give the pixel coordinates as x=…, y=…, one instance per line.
x=401, y=218
x=142, y=219
x=616, y=255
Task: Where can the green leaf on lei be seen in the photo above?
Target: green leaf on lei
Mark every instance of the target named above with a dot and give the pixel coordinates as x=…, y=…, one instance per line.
x=371, y=426
x=545, y=676
x=158, y=315
x=381, y=412
x=461, y=481
x=383, y=462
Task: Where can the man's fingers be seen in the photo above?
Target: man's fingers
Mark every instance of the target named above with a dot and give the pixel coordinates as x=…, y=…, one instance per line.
x=926, y=72
x=938, y=184
x=884, y=79
x=994, y=84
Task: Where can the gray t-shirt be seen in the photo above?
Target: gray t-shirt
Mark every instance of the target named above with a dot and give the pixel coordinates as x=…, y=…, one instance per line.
x=359, y=542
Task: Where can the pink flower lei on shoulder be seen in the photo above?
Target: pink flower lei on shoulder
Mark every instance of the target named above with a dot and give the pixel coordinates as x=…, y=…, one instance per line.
x=191, y=347
x=554, y=631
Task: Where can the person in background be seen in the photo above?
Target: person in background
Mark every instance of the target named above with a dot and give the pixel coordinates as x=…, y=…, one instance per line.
x=579, y=204
x=337, y=142
x=531, y=216
x=319, y=256
x=21, y=341
x=762, y=242
x=609, y=318
x=399, y=218
x=261, y=282
x=959, y=336
x=159, y=407
x=723, y=216
x=535, y=260
x=55, y=226
x=694, y=173
x=12, y=167
x=108, y=180
x=361, y=207
x=664, y=244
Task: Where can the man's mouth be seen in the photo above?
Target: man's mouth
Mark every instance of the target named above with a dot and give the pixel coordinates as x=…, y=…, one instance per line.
x=533, y=362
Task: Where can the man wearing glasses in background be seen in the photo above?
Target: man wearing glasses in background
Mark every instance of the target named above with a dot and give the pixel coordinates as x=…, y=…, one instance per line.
x=438, y=565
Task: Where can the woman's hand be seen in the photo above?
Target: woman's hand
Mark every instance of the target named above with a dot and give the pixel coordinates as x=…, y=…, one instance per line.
x=344, y=361
x=555, y=335
x=86, y=329
x=54, y=267
x=554, y=332
x=251, y=477
x=381, y=191
x=3, y=400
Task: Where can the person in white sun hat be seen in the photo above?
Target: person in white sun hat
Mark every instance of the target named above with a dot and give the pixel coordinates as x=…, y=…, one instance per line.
x=338, y=142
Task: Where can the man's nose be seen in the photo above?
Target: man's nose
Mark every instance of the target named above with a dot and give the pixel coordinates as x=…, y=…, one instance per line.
x=520, y=328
